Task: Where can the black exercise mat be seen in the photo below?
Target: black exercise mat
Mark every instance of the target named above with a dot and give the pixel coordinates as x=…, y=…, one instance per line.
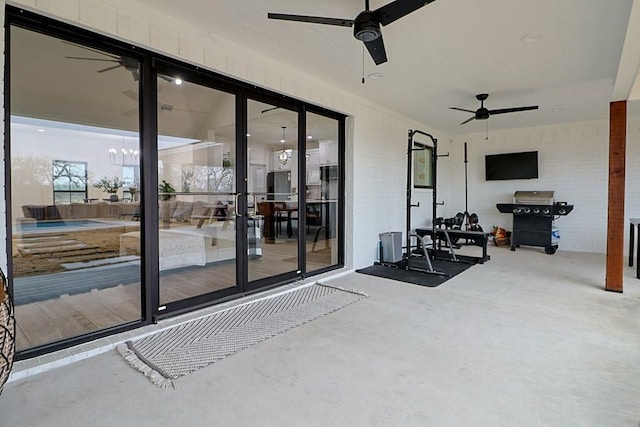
x=430, y=280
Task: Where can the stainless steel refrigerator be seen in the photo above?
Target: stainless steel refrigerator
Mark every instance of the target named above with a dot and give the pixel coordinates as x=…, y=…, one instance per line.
x=278, y=185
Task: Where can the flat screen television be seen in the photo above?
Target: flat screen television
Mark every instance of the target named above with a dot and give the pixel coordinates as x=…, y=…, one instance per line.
x=522, y=165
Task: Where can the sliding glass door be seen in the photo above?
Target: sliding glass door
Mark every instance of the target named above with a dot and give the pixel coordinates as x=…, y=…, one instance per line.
x=74, y=138
x=197, y=200
x=322, y=192
x=139, y=186
x=273, y=165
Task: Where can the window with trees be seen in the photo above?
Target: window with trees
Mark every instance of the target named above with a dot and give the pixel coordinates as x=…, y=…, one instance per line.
x=69, y=182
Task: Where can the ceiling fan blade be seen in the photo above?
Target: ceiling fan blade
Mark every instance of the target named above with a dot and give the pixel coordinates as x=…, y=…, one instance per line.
x=462, y=109
x=376, y=50
x=397, y=9
x=91, y=49
x=512, y=110
x=468, y=120
x=109, y=69
x=312, y=19
x=130, y=94
x=92, y=59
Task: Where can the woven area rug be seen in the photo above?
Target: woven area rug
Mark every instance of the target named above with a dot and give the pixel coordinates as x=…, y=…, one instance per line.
x=179, y=350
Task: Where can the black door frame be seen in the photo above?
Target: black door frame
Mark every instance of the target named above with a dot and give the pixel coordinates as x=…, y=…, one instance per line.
x=201, y=78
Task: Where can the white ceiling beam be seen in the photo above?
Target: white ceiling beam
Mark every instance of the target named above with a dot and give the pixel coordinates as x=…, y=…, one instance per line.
x=627, y=84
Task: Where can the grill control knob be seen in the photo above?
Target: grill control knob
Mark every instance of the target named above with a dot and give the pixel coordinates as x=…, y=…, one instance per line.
x=516, y=210
x=536, y=210
x=545, y=211
x=562, y=211
x=526, y=210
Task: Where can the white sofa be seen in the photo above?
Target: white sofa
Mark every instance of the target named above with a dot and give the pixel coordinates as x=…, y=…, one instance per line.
x=184, y=246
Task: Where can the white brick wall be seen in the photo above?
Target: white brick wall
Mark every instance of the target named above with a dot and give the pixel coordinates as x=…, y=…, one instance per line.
x=573, y=161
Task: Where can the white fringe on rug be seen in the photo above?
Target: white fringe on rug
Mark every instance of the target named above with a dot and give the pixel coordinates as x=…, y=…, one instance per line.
x=158, y=378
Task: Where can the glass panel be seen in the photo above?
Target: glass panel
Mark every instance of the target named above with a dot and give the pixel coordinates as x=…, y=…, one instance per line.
x=72, y=274
x=272, y=183
x=321, y=191
x=196, y=195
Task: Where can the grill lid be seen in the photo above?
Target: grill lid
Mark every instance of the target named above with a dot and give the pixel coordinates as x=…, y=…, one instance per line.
x=533, y=197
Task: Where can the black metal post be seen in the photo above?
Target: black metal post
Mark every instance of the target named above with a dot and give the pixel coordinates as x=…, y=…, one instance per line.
x=466, y=191
x=408, y=195
x=434, y=164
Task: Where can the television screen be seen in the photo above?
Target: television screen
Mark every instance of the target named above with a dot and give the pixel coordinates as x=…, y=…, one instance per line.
x=522, y=165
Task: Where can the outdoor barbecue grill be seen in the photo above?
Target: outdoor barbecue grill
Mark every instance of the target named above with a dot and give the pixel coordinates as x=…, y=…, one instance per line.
x=533, y=215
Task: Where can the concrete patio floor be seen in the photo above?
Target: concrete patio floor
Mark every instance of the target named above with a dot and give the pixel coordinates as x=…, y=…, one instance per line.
x=527, y=339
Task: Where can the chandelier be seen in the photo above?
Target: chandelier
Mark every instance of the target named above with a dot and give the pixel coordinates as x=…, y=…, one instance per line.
x=124, y=156
x=283, y=157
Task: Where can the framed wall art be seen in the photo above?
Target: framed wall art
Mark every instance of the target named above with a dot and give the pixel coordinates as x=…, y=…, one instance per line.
x=422, y=166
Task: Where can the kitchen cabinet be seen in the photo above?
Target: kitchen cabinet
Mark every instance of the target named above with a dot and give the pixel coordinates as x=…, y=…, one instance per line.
x=328, y=151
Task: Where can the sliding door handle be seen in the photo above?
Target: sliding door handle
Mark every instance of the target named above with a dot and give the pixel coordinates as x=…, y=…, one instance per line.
x=237, y=200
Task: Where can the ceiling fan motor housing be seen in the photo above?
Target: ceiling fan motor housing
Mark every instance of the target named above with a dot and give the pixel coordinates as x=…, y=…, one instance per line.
x=482, y=113
x=366, y=26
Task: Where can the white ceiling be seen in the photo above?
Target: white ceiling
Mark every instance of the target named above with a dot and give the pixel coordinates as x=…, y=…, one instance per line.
x=445, y=53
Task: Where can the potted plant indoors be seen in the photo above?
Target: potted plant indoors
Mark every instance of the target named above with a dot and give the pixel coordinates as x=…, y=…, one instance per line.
x=110, y=185
x=164, y=188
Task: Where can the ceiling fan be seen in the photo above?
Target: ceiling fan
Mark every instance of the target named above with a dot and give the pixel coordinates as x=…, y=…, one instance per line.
x=128, y=64
x=483, y=113
x=366, y=26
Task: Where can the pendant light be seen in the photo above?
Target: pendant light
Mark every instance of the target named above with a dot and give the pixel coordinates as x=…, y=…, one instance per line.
x=283, y=157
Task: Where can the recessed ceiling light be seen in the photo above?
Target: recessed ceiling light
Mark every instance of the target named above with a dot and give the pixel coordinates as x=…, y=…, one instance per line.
x=532, y=37
x=177, y=81
x=40, y=130
x=376, y=75
x=248, y=134
x=310, y=137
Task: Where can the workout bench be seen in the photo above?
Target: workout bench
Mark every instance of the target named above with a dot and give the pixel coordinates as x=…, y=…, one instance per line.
x=446, y=235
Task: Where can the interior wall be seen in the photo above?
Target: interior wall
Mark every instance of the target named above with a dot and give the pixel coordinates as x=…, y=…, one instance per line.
x=38, y=151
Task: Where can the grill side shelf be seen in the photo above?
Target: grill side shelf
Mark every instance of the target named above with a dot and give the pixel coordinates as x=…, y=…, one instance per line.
x=508, y=208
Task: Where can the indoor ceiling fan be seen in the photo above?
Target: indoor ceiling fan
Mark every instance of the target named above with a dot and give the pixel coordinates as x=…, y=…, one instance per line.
x=483, y=113
x=128, y=64
x=366, y=26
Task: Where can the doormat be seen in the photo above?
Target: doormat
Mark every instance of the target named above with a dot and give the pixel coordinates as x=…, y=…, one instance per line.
x=179, y=350
x=430, y=280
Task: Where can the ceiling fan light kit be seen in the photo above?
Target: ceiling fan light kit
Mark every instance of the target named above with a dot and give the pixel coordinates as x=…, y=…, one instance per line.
x=366, y=25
